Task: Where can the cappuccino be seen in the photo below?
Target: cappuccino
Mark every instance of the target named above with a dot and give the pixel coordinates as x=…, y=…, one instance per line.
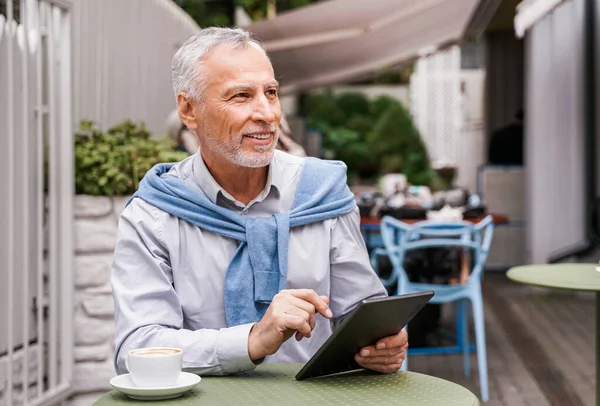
x=154, y=367
x=156, y=351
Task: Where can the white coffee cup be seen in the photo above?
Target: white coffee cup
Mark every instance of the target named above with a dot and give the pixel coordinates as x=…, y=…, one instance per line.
x=154, y=367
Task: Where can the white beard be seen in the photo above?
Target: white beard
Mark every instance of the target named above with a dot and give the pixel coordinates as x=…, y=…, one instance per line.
x=232, y=150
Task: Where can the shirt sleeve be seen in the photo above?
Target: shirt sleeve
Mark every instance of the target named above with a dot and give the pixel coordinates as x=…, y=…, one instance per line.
x=352, y=277
x=148, y=311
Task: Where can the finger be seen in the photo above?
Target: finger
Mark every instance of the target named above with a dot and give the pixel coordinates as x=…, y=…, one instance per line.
x=371, y=351
x=302, y=304
x=312, y=297
x=384, y=369
x=325, y=299
x=397, y=340
x=311, y=322
x=305, y=305
x=296, y=322
x=384, y=359
x=296, y=311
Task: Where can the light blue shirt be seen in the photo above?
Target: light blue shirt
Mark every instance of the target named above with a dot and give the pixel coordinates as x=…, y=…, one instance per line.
x=168, y=275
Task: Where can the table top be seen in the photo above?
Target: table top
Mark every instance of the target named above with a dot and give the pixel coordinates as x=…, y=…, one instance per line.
x=275, y=384
x=562, y=276
x=497, y=218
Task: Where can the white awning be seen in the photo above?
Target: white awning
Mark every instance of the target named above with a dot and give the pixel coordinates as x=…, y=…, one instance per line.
x=530, y=12
x=339, y=40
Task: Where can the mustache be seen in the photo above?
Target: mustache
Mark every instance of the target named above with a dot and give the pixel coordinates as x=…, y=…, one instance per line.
x=265, y=129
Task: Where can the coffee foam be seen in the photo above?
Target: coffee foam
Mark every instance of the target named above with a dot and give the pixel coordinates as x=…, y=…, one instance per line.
x=157, y=351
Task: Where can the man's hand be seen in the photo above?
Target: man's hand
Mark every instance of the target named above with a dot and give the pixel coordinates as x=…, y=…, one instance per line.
x=291, y=311
x=386, y=355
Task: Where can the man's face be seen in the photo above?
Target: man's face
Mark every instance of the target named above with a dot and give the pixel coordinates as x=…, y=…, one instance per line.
x=240, y=111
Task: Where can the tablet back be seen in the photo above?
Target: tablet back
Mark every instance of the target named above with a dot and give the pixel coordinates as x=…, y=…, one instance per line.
x=371, y=321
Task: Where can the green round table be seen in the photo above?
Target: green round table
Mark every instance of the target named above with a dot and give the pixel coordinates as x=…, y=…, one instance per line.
x=275, y=384
x=565, y=276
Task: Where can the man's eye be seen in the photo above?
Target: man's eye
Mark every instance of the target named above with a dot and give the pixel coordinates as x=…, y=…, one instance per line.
x=242, y=95
x=272, y=93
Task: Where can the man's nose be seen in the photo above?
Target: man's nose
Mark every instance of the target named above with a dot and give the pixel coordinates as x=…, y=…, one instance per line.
x=264, y=110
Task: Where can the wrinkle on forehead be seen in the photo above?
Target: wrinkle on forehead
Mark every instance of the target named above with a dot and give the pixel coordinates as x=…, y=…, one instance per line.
x=230, y=66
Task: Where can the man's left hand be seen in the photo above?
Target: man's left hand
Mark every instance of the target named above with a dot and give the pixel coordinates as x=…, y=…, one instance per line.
x=386, y=356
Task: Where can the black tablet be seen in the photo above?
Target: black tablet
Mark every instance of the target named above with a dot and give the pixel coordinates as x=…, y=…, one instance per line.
x=372, y=320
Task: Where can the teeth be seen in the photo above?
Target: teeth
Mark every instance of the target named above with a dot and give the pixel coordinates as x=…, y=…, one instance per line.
x=260, y=137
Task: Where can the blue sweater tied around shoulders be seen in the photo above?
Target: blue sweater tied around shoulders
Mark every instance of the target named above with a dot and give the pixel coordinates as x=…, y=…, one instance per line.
x=258, y=269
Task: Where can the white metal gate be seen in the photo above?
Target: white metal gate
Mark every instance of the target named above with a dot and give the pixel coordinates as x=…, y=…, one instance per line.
x=36, y=194
x=447, y=103
x=435, y=94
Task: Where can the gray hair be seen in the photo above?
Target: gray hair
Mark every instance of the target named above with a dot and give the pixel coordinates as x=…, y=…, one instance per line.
x=187, y=70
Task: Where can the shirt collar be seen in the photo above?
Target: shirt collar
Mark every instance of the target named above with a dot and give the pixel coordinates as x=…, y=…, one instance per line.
x=204, y=179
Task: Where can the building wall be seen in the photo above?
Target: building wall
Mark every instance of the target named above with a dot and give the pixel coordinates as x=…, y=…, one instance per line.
x=505, y=78
x=502, y=188
x=555, y=132
x=122, y=54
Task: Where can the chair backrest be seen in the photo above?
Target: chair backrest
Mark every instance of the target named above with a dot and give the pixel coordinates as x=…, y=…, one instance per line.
x=399, y=238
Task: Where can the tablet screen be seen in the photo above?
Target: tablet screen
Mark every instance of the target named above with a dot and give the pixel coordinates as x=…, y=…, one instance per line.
x=372, y=320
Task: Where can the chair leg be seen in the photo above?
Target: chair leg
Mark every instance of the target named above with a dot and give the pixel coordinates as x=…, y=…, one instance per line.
x=462, y=334
x=479, y=322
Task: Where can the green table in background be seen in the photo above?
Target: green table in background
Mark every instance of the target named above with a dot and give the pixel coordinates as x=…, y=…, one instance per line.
x=274, y=384
x=565, y=276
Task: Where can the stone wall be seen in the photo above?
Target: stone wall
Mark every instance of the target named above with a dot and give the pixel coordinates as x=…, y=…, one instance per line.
x=95, y=235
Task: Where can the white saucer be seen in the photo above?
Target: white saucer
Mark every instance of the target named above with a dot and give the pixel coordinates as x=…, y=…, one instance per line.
x=185, y=382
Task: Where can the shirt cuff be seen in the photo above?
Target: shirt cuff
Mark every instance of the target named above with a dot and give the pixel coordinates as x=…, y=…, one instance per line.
x=232, y=349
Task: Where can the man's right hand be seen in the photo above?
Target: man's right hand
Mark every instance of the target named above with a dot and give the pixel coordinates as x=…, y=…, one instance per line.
x=291, y=311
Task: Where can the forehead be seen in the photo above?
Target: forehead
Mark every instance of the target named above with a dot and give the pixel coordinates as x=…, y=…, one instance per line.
x=226, y=64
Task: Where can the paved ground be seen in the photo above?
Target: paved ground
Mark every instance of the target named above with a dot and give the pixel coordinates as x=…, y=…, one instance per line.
x=540, y=346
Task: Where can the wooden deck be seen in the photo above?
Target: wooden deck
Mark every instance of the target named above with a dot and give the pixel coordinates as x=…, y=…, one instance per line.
x=540, y=345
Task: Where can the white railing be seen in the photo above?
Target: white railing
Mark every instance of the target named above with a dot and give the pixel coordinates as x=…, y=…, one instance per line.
x=36, y=194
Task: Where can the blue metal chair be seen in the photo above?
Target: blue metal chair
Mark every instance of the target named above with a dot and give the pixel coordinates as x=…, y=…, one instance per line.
x=399, y=238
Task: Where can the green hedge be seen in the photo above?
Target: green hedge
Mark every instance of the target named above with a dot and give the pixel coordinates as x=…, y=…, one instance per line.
x=112, y=163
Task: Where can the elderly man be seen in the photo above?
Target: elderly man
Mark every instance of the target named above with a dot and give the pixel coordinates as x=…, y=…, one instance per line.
x=231, y=252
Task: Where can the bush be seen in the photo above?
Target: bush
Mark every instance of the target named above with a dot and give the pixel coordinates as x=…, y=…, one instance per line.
x=353, y=104
x=371, y=137
x=398, y=145
x=112, y=163
x=322, y=109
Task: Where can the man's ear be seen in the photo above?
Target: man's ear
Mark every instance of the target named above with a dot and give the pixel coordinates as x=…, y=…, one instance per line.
x=187, y=115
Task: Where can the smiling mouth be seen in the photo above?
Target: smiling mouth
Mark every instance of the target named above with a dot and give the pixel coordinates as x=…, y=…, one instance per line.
x=259, y=136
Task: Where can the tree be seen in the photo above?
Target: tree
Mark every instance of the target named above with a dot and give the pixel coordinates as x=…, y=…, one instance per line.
x=220, y=12
x=209, y=13
x=397, y=144
x=257, y=9
x=16, y=9
x=372, y=137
